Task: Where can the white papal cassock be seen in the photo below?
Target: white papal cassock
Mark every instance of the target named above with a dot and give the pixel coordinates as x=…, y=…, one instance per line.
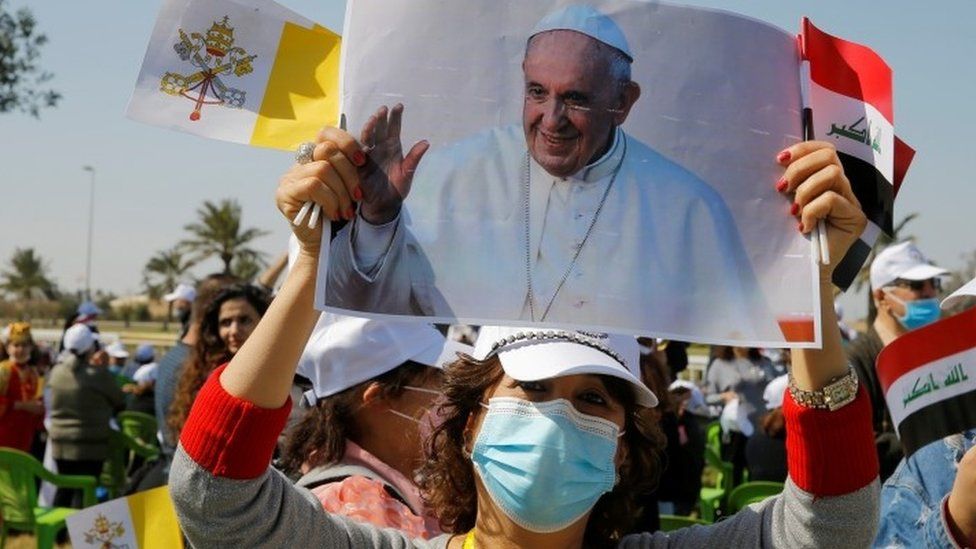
x=663, y=257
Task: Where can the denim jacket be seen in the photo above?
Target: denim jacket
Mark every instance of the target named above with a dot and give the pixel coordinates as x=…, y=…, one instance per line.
x=912, y=499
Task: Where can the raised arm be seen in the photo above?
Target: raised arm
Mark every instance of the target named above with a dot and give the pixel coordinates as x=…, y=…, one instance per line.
x=831, y=495
x=821, y=191
x=224, y=492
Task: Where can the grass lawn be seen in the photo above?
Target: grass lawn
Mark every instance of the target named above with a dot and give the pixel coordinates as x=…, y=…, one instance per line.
x=26, y=541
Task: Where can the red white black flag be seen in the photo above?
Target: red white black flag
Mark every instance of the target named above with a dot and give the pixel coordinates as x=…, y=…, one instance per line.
x=851, y=100
x=929, y=380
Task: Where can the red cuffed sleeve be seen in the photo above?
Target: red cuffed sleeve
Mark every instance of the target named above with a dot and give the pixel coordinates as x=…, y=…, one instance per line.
x=228, y=436
x=830, y=453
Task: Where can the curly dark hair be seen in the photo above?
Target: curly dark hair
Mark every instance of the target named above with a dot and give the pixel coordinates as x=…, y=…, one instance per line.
x=447, y=477
x=209, y=352
x=319, y=438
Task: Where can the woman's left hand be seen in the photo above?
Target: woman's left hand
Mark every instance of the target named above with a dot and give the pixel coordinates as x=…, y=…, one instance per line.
x=821, y=191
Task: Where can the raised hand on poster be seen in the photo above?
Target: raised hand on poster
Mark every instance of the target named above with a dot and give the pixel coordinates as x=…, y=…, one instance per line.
x=388, y=174
x=821, y=191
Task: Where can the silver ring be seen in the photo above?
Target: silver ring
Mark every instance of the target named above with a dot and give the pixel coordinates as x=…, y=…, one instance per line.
x=303, y=155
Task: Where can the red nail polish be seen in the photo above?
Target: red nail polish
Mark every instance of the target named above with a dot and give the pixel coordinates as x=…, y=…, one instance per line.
x=357, y=193
x=799, y=227
x=783, y=156
x=794, y=209
x=358, y=158
x=350, y=213
x=781, y=184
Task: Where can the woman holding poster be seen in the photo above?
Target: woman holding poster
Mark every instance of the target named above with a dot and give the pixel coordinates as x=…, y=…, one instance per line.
x=572, y=399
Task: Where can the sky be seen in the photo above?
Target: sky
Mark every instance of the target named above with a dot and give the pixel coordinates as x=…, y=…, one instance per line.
x=149, y=181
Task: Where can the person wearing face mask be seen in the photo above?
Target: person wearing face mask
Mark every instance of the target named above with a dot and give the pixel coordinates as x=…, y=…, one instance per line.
x=930, y=500
x=545, y=439
x=117, y=357
x=904, y=286
x=181, y=301
x=359, y=446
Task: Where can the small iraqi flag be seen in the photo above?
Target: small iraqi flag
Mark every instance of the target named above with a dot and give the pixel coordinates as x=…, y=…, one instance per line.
x=851, y=101
x=928, y=377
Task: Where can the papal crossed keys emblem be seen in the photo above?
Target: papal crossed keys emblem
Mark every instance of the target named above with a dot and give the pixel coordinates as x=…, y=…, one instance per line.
x=215, y=55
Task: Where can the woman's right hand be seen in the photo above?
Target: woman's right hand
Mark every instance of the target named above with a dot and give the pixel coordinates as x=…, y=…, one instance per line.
x=331, y=180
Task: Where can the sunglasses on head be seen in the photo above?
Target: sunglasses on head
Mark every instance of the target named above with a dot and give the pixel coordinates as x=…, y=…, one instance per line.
x=918, y=285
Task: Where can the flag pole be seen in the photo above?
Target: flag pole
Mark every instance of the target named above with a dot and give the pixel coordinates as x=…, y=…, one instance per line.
x=820, y=237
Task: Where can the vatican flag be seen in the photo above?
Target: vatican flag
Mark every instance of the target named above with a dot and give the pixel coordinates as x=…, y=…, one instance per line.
x=247, y=71
x=145, y=520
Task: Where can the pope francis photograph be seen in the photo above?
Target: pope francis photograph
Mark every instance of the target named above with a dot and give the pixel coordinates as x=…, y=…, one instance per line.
x=564, y=219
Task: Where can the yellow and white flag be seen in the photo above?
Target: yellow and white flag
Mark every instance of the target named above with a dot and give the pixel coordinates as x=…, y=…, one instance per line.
x=247, y=71
x=145, y=520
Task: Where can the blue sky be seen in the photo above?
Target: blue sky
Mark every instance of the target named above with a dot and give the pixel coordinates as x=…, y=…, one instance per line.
x=150, y=180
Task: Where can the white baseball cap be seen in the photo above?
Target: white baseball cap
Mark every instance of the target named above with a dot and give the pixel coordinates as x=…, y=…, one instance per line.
x=182, y=291
x=775, y=390
x=79, y=338
x=344, y=351
x=902, y=260
x=585, y=20
x=968, y=290
x=530, y=354
x=116, y=350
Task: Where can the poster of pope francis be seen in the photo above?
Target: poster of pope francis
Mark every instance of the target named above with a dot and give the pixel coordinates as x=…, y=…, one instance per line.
x=606, y=166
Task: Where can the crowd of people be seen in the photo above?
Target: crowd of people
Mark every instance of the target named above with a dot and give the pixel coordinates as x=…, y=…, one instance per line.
x=280, y=426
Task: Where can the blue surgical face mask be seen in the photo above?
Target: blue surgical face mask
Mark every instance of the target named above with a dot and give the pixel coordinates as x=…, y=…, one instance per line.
x=918, y=313
x=544, y=464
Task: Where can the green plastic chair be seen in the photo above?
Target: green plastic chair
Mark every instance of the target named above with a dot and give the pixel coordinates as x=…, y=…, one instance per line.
x=18, y=497
x=713, y=437
x=752, y=492
x=712, y=498
x=139, y=426
x=675, y=522
x=122, y=450
x=713, y=440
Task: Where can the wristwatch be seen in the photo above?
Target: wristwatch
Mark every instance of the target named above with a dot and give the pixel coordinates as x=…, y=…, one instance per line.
x=839, y=392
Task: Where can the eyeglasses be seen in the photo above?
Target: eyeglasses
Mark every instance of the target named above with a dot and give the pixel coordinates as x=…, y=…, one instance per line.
x=918, y=285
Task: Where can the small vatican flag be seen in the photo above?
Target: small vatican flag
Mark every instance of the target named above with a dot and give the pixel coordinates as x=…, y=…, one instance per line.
x=246, y=71
x=145, y=520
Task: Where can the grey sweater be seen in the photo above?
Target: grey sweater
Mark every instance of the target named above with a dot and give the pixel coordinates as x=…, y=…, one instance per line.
x=269, y=511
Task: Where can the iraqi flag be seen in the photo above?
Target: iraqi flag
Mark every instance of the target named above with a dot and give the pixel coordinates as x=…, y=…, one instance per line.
x=851, y=100
x=928, y=377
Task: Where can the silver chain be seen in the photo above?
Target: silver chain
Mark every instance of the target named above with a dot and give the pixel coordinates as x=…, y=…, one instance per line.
x=528, y=241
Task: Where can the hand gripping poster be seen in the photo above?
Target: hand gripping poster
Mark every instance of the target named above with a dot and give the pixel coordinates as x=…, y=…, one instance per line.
x=607, y=166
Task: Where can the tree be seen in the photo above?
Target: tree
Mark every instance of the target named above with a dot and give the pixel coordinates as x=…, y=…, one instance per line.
x=163, y=272
x=955, y=281
x=28, y=276
x=864, y=276
x=247, y=268
x=218, y=233
x=21, y=79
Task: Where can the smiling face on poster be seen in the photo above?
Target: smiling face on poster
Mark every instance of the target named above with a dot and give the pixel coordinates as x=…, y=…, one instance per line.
x=606, y=166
